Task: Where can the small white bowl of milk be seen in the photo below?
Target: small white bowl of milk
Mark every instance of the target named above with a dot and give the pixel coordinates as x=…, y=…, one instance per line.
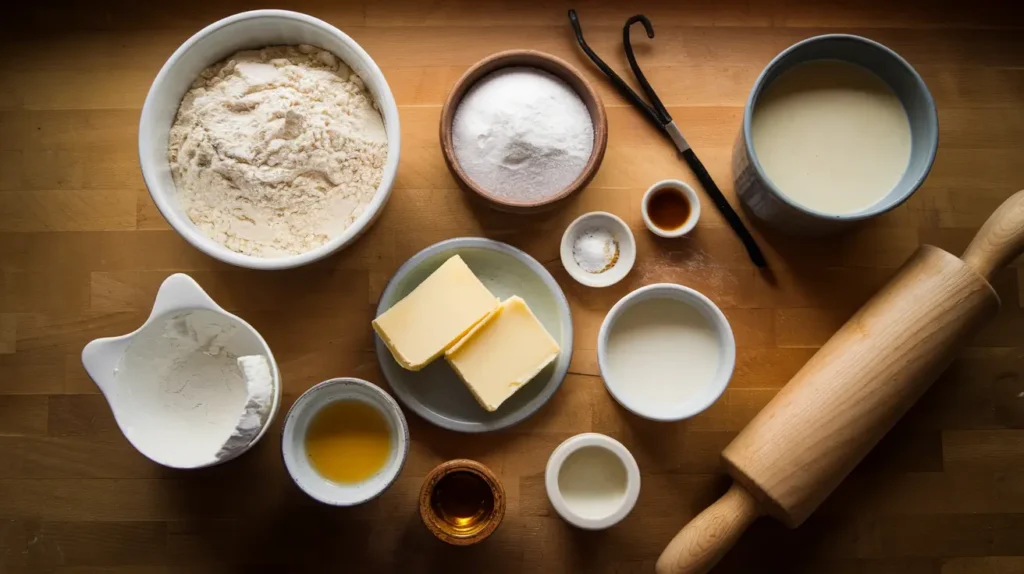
x=592, y=480
x=666, y=352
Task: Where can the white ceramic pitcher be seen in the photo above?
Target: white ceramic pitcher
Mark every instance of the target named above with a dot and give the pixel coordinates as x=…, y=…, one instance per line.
x=179, y=293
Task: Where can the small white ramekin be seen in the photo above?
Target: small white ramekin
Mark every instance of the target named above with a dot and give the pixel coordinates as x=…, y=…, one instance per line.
x=293, y=441
x=623, y=236
x=687, y=192
x=726, y=359
x=554, y=469
x=248, y=30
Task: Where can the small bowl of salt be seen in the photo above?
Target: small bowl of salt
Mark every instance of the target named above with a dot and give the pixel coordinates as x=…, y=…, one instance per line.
x=523, y=130
x=598, y=249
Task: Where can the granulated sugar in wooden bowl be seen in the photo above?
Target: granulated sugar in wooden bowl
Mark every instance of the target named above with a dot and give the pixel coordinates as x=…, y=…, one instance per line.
x=523, y=130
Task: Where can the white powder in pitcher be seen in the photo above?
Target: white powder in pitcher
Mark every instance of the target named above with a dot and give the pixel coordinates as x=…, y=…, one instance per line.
x=188, y=396
x=522, y=134
x=275, y=151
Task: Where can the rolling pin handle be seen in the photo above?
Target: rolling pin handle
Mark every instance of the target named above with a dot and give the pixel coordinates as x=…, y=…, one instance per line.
x=1000, y=240
x=706, y=539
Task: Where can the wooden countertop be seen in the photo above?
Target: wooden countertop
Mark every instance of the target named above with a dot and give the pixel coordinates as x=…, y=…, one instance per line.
x=82, y=250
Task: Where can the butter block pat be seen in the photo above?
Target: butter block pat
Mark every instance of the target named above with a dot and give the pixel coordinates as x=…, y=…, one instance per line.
x=502, y=353
x=438, y=312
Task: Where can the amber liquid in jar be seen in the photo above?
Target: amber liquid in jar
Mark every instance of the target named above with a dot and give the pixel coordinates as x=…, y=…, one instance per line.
x=463, y=501
x=668, y=209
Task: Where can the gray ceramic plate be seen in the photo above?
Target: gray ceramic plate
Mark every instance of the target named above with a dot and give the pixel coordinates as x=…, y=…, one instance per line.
x=436, y=393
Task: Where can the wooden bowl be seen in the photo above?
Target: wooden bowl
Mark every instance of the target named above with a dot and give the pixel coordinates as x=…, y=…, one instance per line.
x=550, y=64
x=483, y=524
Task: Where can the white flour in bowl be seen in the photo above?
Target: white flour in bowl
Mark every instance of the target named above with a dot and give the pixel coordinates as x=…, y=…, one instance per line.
x=275, y=151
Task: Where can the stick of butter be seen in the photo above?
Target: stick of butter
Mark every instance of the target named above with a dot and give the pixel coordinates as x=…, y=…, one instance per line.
x=438, y=312
x=502, y=353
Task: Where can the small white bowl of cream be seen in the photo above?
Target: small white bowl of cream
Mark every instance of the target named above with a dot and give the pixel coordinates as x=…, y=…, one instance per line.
x=592, y=480
x=666, y=352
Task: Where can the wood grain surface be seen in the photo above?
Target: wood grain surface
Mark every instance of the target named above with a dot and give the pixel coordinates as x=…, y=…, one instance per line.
x=83, y=249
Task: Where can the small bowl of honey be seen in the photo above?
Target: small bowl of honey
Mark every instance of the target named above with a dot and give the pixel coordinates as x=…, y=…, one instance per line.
x=462, y=502
x=670, y=208
x=345, y=441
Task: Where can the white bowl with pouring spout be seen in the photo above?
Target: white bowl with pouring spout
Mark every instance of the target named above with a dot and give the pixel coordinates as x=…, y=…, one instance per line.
x=168, y=423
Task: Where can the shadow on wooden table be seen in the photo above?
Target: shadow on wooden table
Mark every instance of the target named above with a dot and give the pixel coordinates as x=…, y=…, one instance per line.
x=248, y=513
x=417, y=550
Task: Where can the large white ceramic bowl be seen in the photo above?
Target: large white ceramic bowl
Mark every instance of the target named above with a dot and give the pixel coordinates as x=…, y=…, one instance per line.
x=256, y=29
x=149, y=413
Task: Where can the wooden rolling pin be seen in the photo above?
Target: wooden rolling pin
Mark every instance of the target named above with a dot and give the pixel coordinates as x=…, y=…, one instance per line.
x=796, y=451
